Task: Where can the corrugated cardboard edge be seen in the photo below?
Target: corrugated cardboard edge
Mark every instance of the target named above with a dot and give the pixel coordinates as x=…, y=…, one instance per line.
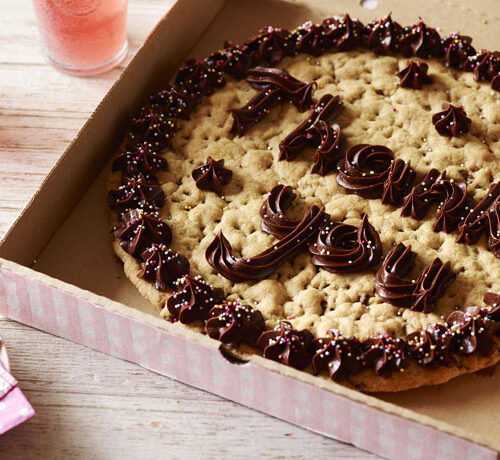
x=17, y=281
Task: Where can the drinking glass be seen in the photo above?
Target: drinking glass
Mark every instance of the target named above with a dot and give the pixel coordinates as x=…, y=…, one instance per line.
x=83, y=37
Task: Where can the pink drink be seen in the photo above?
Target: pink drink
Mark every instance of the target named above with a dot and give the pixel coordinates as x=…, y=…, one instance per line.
x=83, y=37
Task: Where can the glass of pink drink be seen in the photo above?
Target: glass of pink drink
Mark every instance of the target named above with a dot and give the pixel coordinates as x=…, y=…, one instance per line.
x=83, y=37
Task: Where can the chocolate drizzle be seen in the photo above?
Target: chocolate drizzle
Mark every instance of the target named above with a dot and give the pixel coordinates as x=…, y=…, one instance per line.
x=365, y=169
x=136, y=193
x=421, y=40
x=339, y=356
x=219, y=252
x=287, y=345
x=233, y=323
x=162, y=266
x=382, y=36
x=414, y=75
x=275, y=86
x=192, y=299
x=212, y=175
x=316, y=132
x=452, y=121
x=419, y=295
x=140, y=229
x=273, y=211
x=457, y=49
x=342, y=248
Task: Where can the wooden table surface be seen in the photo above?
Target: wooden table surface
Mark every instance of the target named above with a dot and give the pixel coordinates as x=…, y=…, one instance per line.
x=90, y=405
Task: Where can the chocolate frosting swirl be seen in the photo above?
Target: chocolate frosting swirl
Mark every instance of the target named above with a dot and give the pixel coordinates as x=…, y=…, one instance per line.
x=419, y=295
x=317, y=132
x=385, y=354
x=134, y=160
x=475, y=223
x=421, y=40
x=152, y=127
x=192, y=299
x=414, y=75
x=140, y=229
x=219, y=252
x=136, y=193
x=452, y=121
x=343, y=32
x=162, y=266
x=212, y=175
x=342, y=248
x=484, y=65
x=273, y=211
x=175, y=101
x=364, y=169
x=430, y=347
x=197, y=77
x=287, y=345
x=398, y=183
x=383, y=35
x=469, y=332
x=420, y=199
x=457, y=49
x=233, y=323
x=299, y=93
x=338, y=355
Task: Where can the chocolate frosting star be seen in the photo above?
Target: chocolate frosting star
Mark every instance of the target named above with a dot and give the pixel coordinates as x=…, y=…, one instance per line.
x=136, y=193
x=212, y=175
x=273, y=211
x=419, y=295
x=457, y=49
x=175, y=101
x=311, y=39
x=414, y=75
x=342, y=248
x=364, y=169
x=430, y=347
x=143, y=158
x=420, y=199
x=233, y=323
x=193, y=298
x=140, y=229
x=385, y=354
x=452, y=121
x=483, y=216
x=484, y=65
x=162, y=266
x=338, y=355
x=343, y=32
x=150, y=126
x=270, y=45
x=469, y=332
x=287, y=345
x=422, y=41
x=382, y=36
x=219, y=252
x=398, y=183
x=197, y=77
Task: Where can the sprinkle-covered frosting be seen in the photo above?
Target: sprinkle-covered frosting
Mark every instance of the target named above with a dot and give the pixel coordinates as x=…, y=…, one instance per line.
x=452, y=121
x=414, y=75
x=212, y=175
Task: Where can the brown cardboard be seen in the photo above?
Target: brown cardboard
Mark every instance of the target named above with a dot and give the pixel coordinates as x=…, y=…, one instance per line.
x=79, y=253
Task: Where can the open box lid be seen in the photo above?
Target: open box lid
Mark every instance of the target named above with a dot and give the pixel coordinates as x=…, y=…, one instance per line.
x=47, y=227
